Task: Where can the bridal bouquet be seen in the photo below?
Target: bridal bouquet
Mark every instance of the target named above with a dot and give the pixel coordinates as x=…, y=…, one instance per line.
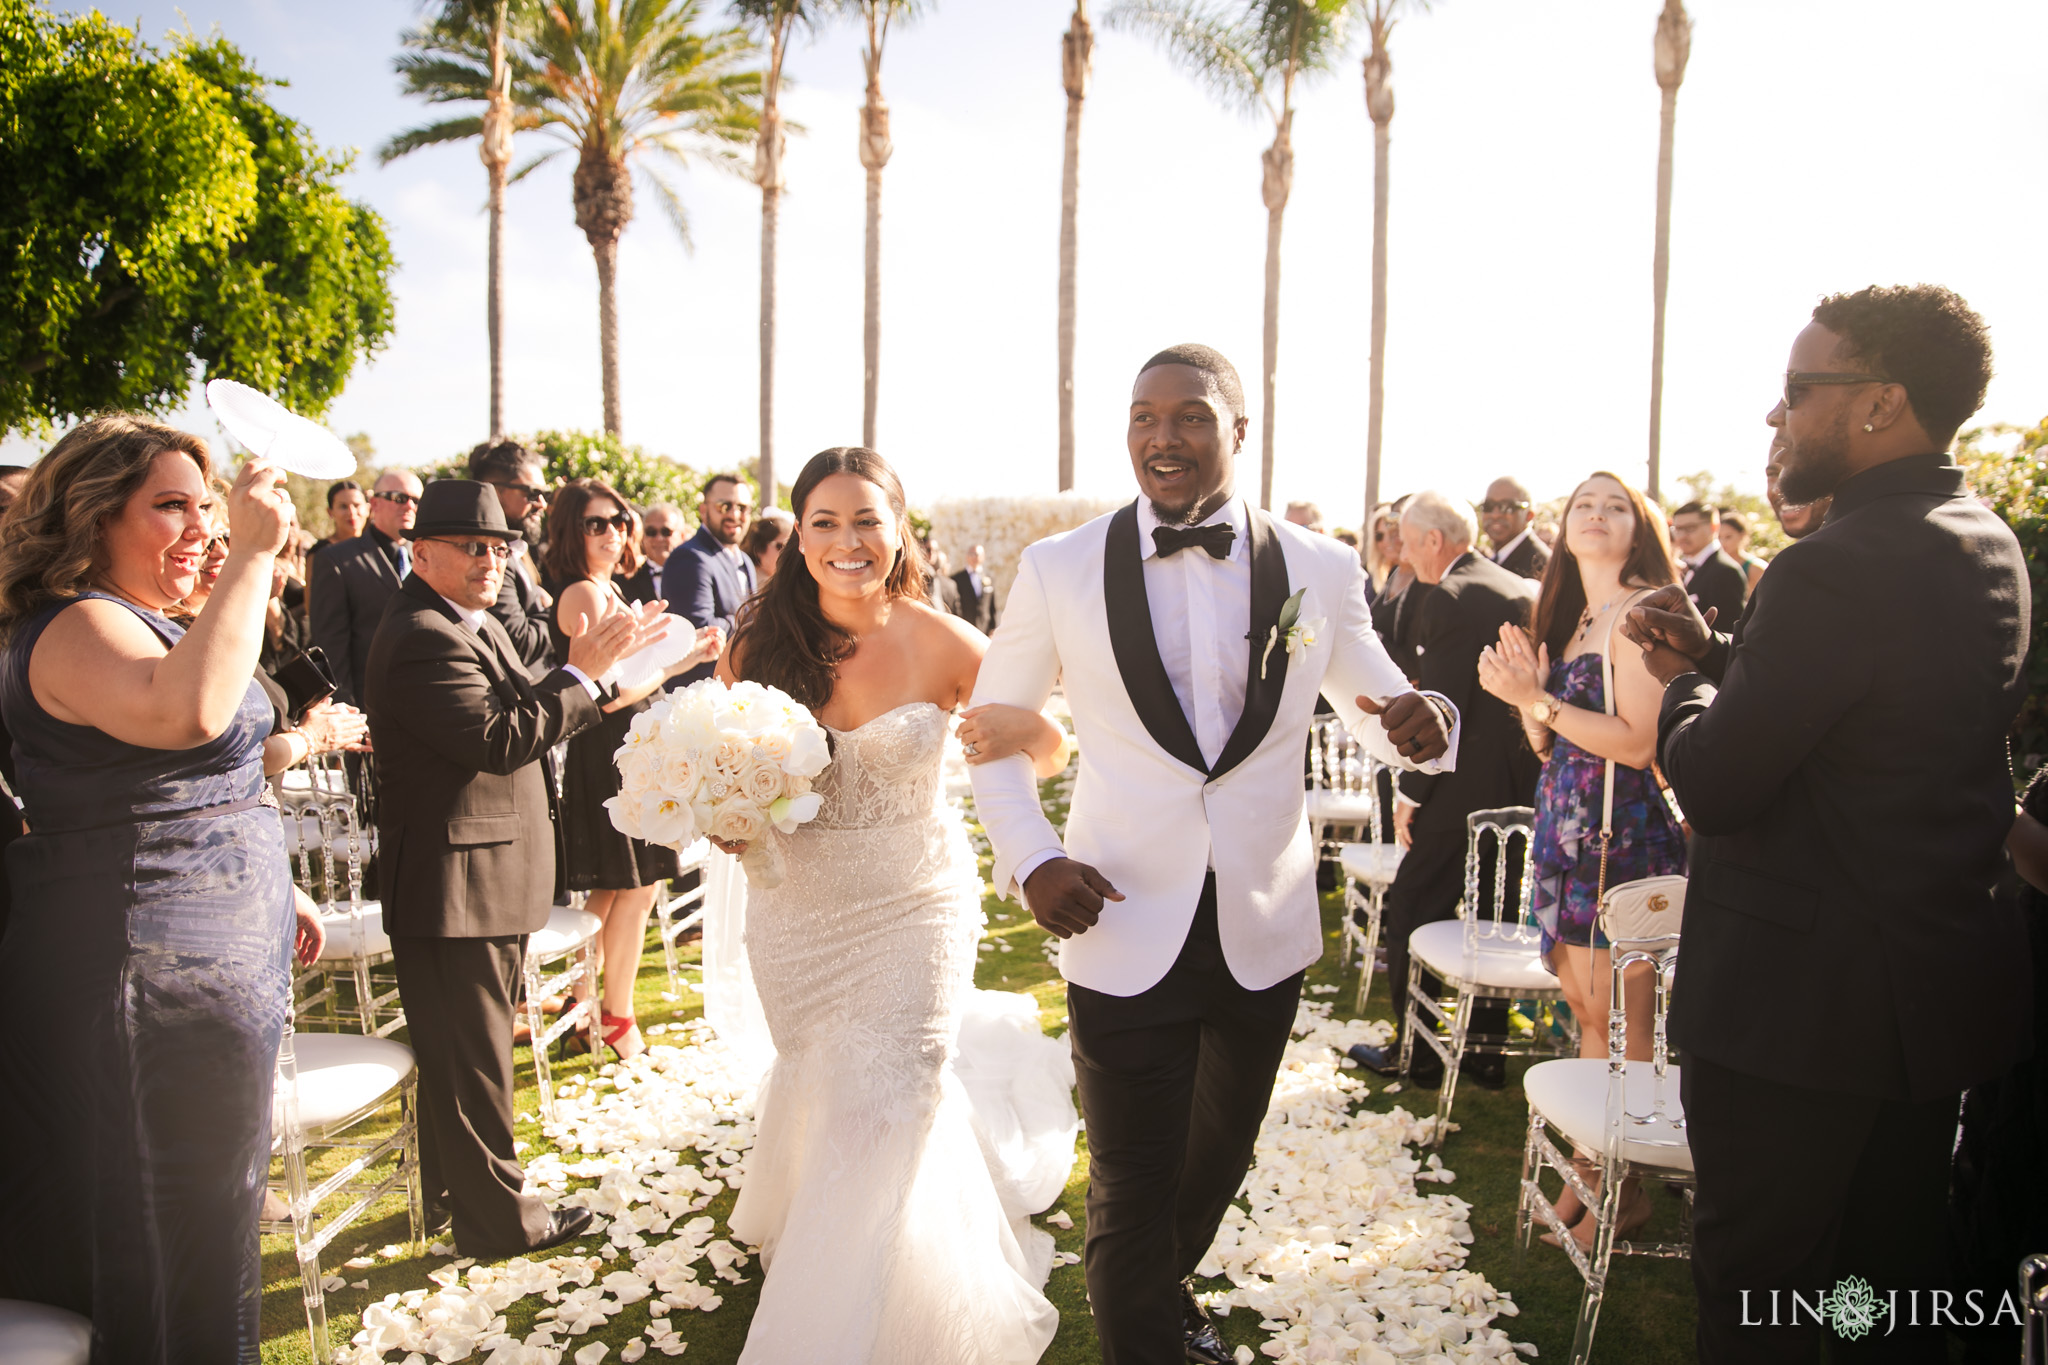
x=730, y=763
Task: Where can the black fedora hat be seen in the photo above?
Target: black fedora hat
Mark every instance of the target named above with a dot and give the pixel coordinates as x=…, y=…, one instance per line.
x=460, y=507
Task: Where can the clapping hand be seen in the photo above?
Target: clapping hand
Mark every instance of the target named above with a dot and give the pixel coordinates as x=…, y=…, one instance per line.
x=593, y=649
x=335, y=727
x=1513, y=670
x=710, y=644
x=1673, y=634
x=1413, y=726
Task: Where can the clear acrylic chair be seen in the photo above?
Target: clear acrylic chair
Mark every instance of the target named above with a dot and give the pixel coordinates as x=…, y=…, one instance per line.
x=1479, y=957
x=1628, y=1112
x=570, y=937
x=328, y=1085
x=1338, y=797
x=678, y=912
x=39, y=1334
x=358, y=950
x=1369, y=869
x=2034, y=1304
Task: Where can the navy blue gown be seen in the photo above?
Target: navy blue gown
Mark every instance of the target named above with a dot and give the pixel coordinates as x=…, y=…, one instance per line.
x=144, y=979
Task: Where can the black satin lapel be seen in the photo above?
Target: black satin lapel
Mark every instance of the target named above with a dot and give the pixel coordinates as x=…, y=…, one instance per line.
x=1261, y=695
x=1137, y=649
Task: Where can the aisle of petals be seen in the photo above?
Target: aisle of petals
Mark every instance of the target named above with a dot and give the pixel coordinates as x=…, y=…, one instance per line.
x=1341, y=1255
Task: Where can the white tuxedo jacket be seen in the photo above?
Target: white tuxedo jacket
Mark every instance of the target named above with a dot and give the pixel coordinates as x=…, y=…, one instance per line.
x=1148, y=812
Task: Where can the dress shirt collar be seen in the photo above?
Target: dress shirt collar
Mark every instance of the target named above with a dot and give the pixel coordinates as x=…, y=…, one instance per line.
x=1913, y=473
x=1699, y=561
x=1232, y=513
x=1500, y=556
x=473, y=619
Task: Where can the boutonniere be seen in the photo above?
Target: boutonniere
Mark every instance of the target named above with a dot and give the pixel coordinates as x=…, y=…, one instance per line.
x=1298, y=634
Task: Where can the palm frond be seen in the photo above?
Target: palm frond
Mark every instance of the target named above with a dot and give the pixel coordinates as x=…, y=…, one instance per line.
x=1218, y=52
x=431, y=135
x=671, y=205
x=535, y=164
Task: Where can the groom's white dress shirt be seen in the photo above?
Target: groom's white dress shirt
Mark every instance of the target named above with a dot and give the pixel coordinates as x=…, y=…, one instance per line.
x=1152, y=823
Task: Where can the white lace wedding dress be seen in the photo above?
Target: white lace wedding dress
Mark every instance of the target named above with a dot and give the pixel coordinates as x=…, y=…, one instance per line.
x=909, y=1125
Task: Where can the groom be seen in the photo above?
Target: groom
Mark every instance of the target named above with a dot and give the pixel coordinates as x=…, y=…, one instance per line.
x=1185, y=890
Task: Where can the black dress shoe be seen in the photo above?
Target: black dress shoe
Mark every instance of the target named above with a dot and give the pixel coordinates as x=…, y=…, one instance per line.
x=1204, y=1343
x=1490, y=1070
x=1387, y=1062
x=438, y=1220
x=564, y=1225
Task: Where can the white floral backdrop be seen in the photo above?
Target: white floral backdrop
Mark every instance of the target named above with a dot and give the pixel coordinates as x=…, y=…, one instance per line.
x=1004, y=526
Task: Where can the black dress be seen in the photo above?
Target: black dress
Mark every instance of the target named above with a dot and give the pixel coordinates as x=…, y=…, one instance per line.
x=595, y=855
x=144, y=980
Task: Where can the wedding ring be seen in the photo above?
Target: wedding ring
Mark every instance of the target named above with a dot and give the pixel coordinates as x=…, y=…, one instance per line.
x=972, y=749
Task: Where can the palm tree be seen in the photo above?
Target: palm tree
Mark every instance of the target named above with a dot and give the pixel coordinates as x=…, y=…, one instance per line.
x=1253, y=53
x=1673, y=49
x=1077, y=49
x=875, y=149
x=777, y=20
x=439, y=65
x=1379, y=105
x=622, y=83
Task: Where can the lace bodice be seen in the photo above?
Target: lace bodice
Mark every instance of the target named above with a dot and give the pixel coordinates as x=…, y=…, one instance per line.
x=885, y=772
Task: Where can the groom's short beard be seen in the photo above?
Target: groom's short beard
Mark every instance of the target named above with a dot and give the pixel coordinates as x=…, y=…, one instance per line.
x=1812, y=469
x=1176, y=516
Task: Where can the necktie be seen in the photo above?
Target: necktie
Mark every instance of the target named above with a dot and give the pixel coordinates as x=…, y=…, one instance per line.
x=1216, y=539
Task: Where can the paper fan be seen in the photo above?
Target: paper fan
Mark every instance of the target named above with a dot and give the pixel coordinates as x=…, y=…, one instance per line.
x=274, y=432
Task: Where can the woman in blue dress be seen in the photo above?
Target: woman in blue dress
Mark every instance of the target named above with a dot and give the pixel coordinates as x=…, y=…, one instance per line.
x=1613, y=550
x=145, y=972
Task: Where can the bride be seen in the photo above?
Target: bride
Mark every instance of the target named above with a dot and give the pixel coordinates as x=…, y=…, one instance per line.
x=883, y=1210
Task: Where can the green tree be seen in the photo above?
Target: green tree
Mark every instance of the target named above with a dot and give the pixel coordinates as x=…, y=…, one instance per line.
x=462, y=55
x=160, y=215
x=2013, y=479
x=638, y=473
x=1253, y=53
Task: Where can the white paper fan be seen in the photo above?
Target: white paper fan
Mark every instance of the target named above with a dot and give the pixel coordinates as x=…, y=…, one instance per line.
x=274, y=432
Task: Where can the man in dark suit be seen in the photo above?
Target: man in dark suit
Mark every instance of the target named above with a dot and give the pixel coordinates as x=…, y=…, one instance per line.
x=1474, y=598
x=977, y=593
x=466, y=867
x=352, y=582
x=1845, y=970
x=523, y=605
x=1711, y=578
x=1508, y=518
x=708, y=577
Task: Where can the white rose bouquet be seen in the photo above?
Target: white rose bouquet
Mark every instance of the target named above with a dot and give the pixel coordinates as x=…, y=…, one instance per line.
x=728, y=763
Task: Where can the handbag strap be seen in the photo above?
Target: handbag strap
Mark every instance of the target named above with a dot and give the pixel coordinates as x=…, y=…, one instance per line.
x=1607, y=705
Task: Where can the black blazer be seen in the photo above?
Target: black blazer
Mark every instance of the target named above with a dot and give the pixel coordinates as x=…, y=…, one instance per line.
x=347, y=590
x=1529, y=559
x=465, y=812
x=978, y=609
x=705, y=586
x=1720, y=583
x=1850, y=792
x=525, y=620
x=1496, y=767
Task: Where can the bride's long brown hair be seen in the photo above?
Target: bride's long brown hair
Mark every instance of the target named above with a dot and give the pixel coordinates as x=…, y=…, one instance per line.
x=783, y=638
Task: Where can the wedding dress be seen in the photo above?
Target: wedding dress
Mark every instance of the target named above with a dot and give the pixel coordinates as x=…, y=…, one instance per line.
x=909, y=1125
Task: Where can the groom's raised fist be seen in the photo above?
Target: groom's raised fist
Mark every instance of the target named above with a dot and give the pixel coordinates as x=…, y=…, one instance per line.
x=1066, y=897
x=1414, y=727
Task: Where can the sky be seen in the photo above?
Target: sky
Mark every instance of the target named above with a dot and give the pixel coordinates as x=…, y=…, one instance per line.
x=1822, y=145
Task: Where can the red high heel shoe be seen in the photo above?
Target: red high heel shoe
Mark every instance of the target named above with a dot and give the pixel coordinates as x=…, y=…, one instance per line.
x=622, y=1035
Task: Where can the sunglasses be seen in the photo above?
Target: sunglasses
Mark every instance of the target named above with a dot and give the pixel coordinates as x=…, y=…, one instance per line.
x=658, y=533
x=1495, y=506
x=597, y=526
x=528, y=491
x=402, y=499
x=477, y=549
x=1798, y=381
x=734, y=509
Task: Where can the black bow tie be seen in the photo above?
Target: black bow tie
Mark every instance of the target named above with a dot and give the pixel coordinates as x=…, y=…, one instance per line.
x=1215, y=539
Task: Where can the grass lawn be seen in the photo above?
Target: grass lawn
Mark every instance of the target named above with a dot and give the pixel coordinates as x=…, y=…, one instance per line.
x=1647, y=1319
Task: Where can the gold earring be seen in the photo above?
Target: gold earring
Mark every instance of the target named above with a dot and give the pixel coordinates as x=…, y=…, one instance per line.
x=1868, y=427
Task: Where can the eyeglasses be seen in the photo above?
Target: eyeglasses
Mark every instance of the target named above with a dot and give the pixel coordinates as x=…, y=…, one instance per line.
x=1798, y=380
x=734, y=509
x=1497, y=505
x=528, y=491
x=597, y=526
x=393, y=495
x=219, y=542
x=477, y=549
x=658, y=532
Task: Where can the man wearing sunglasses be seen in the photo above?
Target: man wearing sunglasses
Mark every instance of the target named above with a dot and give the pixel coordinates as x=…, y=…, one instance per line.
x=352, y=582
x=659, y=529
x=1845, y=971
x=523, y=605
x=1506, y=516
x=707, y=577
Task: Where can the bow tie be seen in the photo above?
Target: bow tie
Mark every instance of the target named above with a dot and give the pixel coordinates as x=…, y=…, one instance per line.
x=1171, y=540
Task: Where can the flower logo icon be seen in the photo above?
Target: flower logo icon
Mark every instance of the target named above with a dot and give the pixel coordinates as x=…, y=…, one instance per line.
x=1853, y=1308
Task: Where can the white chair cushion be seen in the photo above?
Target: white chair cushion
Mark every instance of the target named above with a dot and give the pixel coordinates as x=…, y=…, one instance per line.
x=1502, y=964
x=1328, y=807
x=566, y=931
x=342, y=935
x=1373, y=864
x=1572, y=1094
x=37, y=1334
x=341, y=1074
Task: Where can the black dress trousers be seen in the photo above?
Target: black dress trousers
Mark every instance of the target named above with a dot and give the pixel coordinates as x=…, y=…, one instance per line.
x=458, y=995
x=1174, y=1083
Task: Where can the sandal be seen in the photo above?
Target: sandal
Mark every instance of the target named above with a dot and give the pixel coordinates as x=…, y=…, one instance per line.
x=622, y=1035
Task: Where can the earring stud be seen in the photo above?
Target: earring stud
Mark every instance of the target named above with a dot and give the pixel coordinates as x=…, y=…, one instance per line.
x=1868, y=427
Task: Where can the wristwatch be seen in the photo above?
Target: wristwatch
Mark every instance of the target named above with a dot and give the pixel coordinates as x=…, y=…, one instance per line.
x=1545, y=710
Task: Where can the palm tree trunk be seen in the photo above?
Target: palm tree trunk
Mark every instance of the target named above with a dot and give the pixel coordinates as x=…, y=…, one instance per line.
x=607, y=253
x=495, y=303
x=1660, y=275
x=1376, y=366
x=871, y=326
x=771, y=208
x=1076, y=49
x=1276, y=183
